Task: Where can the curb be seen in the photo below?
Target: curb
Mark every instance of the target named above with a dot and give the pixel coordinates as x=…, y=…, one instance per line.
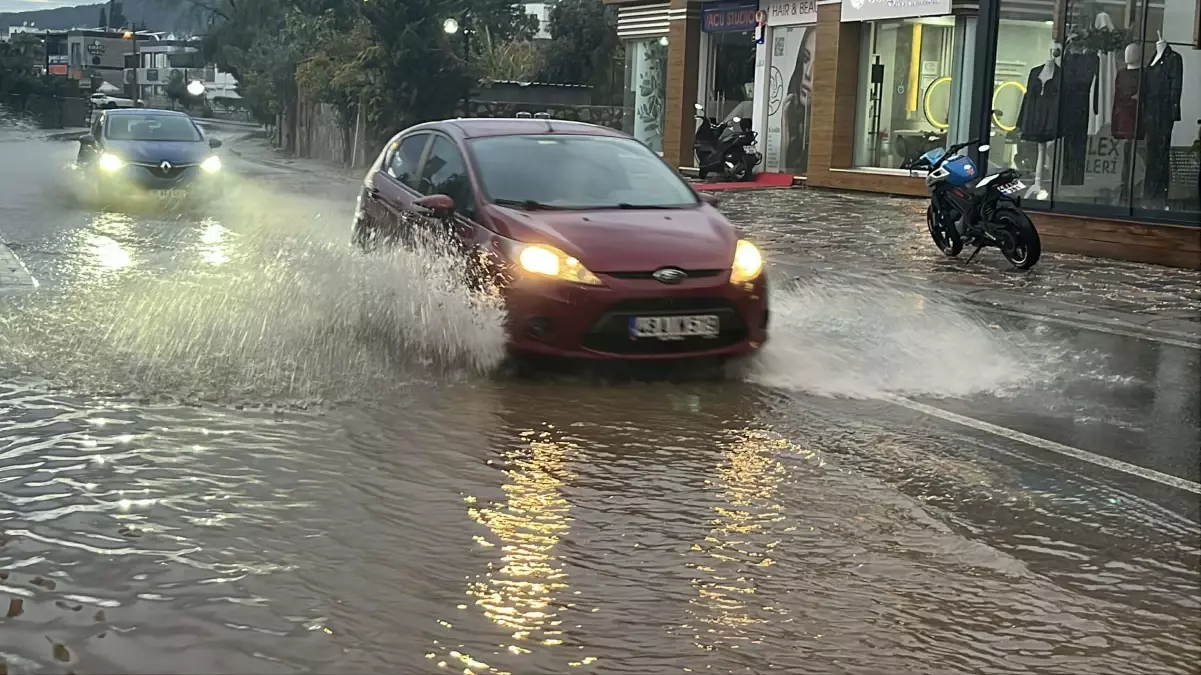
x=14, y=276
x=282, y=166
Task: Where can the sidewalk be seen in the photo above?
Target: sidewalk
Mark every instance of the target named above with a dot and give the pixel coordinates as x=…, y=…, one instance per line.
x=13, y=275
x=256, y=150
x=878, y=237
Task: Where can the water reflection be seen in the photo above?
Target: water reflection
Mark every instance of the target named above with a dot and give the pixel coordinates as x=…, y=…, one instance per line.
x=740, y=544
x=521, y=589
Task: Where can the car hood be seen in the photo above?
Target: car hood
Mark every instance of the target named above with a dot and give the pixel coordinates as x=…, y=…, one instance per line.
x=176, y=152
x=630, y=241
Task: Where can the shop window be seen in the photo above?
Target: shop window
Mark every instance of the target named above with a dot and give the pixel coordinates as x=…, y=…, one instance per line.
x=730, y=83
x=646, y=91
x=1099, y=105
x=905, y=90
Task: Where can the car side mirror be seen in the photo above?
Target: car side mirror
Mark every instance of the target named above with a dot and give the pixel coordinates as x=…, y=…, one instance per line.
x=87, y=140
x=709, y=198
x=438, y=206
x=214, y=144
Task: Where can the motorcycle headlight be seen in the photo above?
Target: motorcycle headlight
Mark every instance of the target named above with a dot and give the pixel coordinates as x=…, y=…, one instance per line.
x=109, y=162
x=551, y=262
x=748, y=263
x=211, y=165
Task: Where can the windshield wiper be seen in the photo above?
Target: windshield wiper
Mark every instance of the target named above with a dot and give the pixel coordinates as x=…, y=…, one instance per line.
x=647, y=207
x=528, y=204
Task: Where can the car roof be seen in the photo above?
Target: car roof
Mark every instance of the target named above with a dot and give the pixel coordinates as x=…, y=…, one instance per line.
x=481, y=127
x=146, y=112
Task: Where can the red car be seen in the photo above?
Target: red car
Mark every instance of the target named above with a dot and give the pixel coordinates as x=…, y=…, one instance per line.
x=600, y=249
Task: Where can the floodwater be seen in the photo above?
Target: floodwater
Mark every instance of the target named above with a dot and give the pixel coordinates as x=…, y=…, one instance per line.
x=229, y=444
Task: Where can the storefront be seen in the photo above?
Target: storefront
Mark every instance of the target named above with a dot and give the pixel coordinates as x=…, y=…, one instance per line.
x=1097, y=103
x=784, y=83
x=643, y=30
x=727, y=58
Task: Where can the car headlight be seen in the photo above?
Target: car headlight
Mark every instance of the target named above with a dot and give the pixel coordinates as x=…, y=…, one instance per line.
x=748, y=263
x=551, y=262
x=110, y=162
x=211, y=165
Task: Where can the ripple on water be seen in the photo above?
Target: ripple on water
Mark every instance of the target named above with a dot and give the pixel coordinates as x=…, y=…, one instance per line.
x=525, y=528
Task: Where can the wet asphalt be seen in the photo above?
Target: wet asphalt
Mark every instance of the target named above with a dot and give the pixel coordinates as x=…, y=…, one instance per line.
x=228, y=444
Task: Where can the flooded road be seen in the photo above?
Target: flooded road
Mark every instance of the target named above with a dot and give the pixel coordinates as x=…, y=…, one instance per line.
x=228, y=445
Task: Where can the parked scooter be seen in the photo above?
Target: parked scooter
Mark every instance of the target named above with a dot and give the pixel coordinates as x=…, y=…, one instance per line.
x=729, y=152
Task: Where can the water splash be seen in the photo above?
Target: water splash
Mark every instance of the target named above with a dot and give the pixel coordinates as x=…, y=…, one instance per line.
x=858, y=340
x=260, y=315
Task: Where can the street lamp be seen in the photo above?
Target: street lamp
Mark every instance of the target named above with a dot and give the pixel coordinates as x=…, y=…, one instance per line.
x=451, y=26
x=132, y=36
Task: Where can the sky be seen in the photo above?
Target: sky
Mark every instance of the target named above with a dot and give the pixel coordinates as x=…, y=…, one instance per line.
x=31, y=5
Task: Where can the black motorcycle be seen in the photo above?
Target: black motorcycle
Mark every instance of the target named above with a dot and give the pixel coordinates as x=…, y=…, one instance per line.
x=720, y=149
x=967, y=208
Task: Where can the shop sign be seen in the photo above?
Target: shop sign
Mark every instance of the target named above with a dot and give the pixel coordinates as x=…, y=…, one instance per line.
x=873, y=10
x=721, y=17
x=56, y=59
x=96, y=49
x=790, y=12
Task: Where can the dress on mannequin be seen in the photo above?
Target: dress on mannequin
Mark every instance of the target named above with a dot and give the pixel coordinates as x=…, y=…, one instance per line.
x=1163, y=82
x=1125, y=97
x=1079, y=72
x=1038, y=118
x=1102, y=92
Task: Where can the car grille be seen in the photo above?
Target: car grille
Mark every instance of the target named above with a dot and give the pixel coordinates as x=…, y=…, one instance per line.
x=174, y=173
x=692, y=274
x=610, y=334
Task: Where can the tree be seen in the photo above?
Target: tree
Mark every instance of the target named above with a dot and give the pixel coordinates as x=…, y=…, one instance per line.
x=584, y=44
x=515, y=60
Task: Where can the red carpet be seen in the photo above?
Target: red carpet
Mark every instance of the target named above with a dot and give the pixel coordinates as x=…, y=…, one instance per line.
x=762, y=181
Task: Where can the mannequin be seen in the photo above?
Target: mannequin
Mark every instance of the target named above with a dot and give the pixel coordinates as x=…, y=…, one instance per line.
x=1125, y=96
x=1038, y=118
x=1077, y=105
x=1101, y=93
x=1163, y=82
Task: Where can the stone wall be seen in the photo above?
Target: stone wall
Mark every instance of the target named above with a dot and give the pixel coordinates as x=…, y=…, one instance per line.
x=606, y=116
x=317, y=134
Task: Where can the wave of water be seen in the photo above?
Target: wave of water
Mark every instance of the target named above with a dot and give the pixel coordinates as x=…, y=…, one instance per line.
x=861, y=340
x=262, y=315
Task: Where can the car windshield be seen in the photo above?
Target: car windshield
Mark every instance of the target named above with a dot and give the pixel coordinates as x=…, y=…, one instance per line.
x=576, y=172
x=152, y=128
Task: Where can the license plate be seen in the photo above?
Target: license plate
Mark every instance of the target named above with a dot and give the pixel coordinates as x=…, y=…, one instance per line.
x=1012, y=187
x=173, y=193
x=674, y=327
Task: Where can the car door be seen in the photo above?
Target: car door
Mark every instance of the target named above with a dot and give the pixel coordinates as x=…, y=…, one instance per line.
x=393, y=189
x=444, y=172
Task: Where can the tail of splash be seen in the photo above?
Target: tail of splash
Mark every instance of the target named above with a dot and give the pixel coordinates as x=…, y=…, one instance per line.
x=848, y=339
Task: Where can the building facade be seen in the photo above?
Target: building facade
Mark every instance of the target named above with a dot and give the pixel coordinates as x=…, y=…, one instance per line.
x=1096, y=102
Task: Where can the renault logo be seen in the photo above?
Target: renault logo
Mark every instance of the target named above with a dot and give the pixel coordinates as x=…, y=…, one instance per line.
x=670, y=275
x=165, y=166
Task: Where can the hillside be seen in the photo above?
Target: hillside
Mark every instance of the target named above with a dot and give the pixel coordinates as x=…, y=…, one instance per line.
x=156, y=14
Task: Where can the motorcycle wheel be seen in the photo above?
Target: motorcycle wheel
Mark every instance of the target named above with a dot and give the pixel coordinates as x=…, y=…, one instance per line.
x=1016, y=237
x=744, y=171
x=947, y=239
